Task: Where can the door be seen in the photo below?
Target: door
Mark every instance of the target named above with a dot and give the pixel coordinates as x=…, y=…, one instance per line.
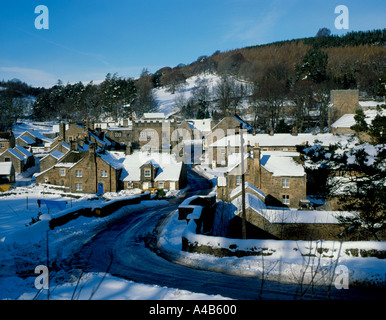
x=172, y=186
x=100, y=188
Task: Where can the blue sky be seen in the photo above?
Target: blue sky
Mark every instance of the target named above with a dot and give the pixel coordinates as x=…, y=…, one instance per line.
x=88, y=39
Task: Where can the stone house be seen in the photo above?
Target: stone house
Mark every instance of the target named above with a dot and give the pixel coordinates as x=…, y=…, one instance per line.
x=50, y=160
x=89, y=171
x=279, y=175
x=154, y=135
x=142, y=170
x=21, y=158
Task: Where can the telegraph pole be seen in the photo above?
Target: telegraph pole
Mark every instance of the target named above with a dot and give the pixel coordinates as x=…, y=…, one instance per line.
x=243, y=216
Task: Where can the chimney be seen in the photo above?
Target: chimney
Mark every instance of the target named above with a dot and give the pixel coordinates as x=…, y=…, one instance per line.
x=62, y=130
x=60, y=147
x=271, y=132
x=73, y=145
x=92, y=152
x=125, y=123
x=249, y=148
x=314, y=132
x=85, y=125
x=129, y=149
x=91, y=147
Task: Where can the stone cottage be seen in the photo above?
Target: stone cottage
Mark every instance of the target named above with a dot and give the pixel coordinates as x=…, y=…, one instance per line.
x=89, y=171
x=142, y=170
x=279, y=175
x=21, y=158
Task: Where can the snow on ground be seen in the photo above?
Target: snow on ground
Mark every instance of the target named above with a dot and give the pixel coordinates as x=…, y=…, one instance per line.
x=289, y=262
x=24, y=246
x=100, y=286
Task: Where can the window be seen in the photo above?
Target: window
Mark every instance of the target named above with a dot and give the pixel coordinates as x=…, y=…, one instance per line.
x=62, y=172
x=285, y=199
x=161, y=185
x=142, y=134
x=238, y=180
x=104, y=173
x=7, y=159
x=78, y=187
x=285, y=183
x=130, y=185
x=147, y=173
x=78, y=173
x=118, y=134
x=2, y=145
x=222, y=150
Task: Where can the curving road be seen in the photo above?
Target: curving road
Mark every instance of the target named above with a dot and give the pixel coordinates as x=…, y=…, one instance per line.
x=123, y=249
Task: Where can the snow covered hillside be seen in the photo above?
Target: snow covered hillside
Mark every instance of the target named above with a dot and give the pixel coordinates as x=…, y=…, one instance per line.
x=166, y=99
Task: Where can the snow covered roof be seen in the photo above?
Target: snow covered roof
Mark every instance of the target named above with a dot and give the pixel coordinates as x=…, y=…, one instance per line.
x=168, y=167
x=112, y=159
x=154, y=115
x=23, y=151
x=250, y=187
x=251, y=201
x=280, y=139
x=37, y=135
x=286, y=215
x=347, y=120
x=27, y=139
x=203, y=125
x=281, y=165
x=5, y=168
x=57, y=154
x=299, y=216
x=169, y=172
x=369, y=104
